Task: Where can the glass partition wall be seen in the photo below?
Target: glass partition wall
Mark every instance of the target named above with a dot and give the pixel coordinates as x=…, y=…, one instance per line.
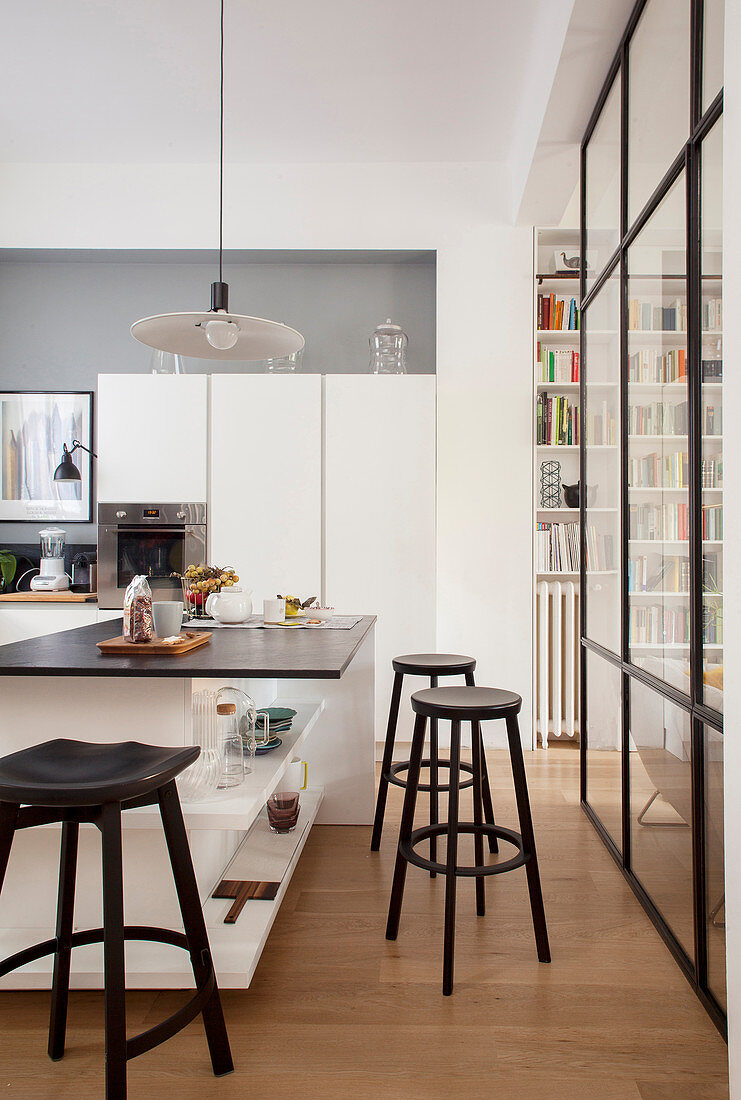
x=652, y=477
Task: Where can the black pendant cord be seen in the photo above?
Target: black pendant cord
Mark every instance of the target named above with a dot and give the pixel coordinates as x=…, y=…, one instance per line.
x=221, y=145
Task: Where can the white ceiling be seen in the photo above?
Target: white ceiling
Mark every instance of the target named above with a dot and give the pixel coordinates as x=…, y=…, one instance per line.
x=136, y=81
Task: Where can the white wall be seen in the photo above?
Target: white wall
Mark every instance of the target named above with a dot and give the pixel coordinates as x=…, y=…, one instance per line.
x=732, y=530
x=484, y=330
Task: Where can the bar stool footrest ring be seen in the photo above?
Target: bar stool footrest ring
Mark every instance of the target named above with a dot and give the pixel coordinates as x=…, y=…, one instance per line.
x=146, y=1040
x=418, y=835
x=403, y=765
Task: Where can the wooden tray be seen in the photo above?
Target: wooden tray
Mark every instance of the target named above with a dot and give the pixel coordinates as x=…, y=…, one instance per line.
x=119, y=647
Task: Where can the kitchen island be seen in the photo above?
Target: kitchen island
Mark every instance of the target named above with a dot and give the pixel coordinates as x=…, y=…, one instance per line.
x=61, y=685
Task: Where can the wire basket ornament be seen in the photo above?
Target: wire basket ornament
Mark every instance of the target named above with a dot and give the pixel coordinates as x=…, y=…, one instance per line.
x=550, y=484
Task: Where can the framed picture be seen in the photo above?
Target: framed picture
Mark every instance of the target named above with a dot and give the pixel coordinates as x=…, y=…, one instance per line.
x=34, y=427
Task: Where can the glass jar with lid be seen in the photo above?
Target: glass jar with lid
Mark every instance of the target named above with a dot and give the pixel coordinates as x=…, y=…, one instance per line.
x=230, y=745
x=388, y=349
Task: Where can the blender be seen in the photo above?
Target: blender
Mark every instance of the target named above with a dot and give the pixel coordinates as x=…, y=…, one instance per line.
x=52, y=576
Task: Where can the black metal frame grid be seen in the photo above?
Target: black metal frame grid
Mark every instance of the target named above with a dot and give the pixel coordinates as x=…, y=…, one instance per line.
x=687, y=161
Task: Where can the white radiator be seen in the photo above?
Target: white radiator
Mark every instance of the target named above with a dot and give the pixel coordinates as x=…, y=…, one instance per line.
x=557, y=692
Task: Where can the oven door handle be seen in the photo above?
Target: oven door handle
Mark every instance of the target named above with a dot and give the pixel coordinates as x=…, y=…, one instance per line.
x=138, y=530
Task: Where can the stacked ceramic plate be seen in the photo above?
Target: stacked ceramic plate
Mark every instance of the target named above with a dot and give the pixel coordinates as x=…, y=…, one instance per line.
x=280, y=720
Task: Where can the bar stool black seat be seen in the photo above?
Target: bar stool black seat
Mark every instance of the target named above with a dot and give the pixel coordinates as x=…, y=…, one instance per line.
x=474, y=705
x=433, y=665
x=77, y=781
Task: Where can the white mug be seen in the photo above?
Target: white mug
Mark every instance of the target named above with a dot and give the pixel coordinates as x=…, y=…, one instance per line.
x=274, y=611
x=168, y=617
x=295, y=777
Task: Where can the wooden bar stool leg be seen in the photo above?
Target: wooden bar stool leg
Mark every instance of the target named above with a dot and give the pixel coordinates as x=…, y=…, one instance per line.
x=528, y=837
x=405, y=831
x=388, y=757
x=434, y=781
x=486, y=788
x=452, y=857
x=113, y=953
x=478, y=816
x=63, y=953
x=194, y=925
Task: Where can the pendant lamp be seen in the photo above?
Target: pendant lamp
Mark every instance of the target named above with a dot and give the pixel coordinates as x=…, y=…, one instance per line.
x=217, y=333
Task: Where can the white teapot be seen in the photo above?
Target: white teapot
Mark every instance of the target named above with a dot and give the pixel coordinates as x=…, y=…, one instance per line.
x=231, y=605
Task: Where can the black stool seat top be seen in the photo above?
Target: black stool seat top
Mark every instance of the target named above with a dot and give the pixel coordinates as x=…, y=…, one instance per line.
x=434, y=664
x=83, y=773
x=466, y=703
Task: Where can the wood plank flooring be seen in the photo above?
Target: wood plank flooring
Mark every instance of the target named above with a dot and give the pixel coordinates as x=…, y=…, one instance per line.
x=335, y=1011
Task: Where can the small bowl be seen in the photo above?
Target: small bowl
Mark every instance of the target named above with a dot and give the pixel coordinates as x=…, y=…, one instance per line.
x=323, y=614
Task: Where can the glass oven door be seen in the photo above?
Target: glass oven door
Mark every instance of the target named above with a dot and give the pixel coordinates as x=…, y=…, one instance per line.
x=154, y=552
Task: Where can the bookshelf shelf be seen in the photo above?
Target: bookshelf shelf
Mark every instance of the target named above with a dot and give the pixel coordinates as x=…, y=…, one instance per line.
x=672, y=542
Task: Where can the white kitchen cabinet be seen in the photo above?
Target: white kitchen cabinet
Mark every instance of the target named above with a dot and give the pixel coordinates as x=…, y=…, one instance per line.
x=152, y=438
x=380, y=516
x=20, y=621
x=265, y=500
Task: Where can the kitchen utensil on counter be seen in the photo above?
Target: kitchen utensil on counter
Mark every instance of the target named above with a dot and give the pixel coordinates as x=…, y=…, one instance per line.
x=168, y=617
x=189, y=640
x=200, y=780
x=230, y=745
x=52, y=576
x=388, y=349
x=274, y=611
x=319, y=614
x=84, y=572
x=230, y=605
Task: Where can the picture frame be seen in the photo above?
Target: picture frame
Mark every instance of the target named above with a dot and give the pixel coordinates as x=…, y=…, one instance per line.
x=35, y=425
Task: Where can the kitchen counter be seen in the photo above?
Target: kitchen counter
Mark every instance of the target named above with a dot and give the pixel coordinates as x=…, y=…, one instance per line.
x=278, y=654
x=49, y=597
x=61, y=685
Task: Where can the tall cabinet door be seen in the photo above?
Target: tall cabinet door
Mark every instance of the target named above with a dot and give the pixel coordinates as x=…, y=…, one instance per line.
x=265, y=480
x=380, y=516
x=152, y=438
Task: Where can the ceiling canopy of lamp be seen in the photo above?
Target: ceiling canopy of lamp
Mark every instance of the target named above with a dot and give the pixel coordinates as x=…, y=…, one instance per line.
x=217, y=333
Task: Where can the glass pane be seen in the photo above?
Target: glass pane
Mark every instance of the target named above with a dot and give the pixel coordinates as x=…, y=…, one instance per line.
x=156, y=554
x=661, y=807
x=714, y=874
x=602, y=427
x=659, y=94
x=603, y=186
x=604, y=743
x=712, y=50
x=712, y=423
x=658, y=474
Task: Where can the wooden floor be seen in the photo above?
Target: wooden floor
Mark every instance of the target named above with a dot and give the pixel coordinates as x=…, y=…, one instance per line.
x=336, y=1011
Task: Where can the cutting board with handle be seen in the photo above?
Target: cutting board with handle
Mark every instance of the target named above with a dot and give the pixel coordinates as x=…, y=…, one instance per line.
x=189, y=640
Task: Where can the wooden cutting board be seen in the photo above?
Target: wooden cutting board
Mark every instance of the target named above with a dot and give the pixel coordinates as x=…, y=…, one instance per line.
x=189, y=640
x=49, y=597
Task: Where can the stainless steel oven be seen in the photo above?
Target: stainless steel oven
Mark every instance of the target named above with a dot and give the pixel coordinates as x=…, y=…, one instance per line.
x=156, y=540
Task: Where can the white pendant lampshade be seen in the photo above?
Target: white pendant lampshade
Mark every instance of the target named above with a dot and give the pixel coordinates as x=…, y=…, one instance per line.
x=217, y=333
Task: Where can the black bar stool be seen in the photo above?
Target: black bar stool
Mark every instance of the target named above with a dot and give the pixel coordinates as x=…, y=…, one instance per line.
x=432, y=665
x=78, y=781
x=474, y=705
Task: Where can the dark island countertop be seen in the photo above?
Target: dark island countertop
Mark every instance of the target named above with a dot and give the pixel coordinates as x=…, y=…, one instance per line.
x=286, y=654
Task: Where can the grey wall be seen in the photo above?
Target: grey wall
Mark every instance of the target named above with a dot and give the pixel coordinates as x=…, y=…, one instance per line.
x=64, y=321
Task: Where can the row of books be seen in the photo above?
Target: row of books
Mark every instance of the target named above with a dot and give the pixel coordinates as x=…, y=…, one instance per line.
x=657, y=573
x=557, y=423
x=712, y=370
x=645, y=316
x=712, y=626
x=557, y=364
x=712, y=314
x=659, y=521
x=712, y=473
x=658, y=418
x=557, y=549
x=656, y=367
x=558, y=313
x=655, y=471
x=712, y=420
x=601, y=428
x=654, y=624
x=712, y=522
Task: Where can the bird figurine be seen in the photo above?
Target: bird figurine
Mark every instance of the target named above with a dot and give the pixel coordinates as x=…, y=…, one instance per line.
x=573, y=263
